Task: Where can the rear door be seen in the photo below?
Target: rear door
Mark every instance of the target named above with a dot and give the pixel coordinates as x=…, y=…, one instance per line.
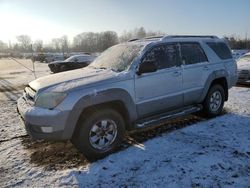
x=160, y=90
x=196, y=69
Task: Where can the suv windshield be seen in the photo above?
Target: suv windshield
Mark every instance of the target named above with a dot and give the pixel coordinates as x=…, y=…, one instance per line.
x=117, y=58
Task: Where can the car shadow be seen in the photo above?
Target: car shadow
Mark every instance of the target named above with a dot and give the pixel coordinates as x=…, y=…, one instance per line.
x=243, y=85
x=11, y=92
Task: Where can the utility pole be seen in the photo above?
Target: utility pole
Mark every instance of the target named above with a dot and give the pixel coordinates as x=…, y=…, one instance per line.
x=34, y=71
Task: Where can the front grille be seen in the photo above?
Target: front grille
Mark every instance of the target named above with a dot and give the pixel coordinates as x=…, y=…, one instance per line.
x=243, y=75
x=243, y=72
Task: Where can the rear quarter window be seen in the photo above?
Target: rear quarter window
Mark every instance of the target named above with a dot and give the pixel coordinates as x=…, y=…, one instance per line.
x=221, y=50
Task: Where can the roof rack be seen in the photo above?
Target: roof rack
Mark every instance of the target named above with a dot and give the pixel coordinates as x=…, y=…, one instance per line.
x=131, y=40
x=154, y=37
x=147, y=38
x=190, y=36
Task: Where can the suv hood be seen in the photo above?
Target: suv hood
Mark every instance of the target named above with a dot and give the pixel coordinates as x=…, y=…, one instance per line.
x=72, y=79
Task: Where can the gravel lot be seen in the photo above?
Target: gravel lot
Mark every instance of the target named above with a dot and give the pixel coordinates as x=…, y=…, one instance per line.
x=187, y=152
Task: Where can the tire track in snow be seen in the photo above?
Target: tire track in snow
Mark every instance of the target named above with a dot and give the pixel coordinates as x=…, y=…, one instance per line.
x=13, y=138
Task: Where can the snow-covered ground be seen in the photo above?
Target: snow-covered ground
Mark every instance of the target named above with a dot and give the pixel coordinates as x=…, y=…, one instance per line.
x=194, y=152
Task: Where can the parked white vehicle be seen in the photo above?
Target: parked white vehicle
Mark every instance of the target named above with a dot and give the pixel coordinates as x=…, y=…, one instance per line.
x=244, y=69
x=238, y=53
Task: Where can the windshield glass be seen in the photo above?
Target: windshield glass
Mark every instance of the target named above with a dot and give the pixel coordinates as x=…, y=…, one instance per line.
x=72, y=58
x=117, y=58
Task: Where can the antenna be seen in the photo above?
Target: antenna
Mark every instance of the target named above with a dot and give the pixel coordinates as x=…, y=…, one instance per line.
x=246, y=39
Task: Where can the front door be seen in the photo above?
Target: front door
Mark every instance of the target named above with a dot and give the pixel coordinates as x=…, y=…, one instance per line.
x=161, y=90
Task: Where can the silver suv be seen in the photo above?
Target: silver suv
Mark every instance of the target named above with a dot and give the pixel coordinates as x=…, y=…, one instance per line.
x=130, y=86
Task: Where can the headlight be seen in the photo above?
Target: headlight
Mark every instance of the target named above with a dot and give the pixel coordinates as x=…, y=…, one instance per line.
x=49, y=100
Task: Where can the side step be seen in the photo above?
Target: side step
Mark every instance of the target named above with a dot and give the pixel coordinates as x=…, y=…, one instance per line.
x=161, y=118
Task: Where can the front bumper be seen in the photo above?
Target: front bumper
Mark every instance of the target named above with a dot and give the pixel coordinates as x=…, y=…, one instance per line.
x=42, y=123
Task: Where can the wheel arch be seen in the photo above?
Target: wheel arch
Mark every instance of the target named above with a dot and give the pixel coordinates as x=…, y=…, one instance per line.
x=117, y=99
x=223, y=82
x=218, y=77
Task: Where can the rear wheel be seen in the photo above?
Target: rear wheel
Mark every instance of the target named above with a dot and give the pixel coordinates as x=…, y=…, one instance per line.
x=214, y=101
x=99, y=133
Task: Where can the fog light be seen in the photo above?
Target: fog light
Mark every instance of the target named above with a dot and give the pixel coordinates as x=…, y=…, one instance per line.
x=47, y=129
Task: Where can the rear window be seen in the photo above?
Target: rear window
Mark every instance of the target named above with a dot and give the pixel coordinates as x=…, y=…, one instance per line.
x=221, y=50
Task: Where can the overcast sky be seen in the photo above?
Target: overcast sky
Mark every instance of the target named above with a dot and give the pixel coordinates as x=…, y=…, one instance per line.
x=46, y=19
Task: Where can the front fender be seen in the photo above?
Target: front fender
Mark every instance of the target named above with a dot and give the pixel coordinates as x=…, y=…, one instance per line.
x=99, y=97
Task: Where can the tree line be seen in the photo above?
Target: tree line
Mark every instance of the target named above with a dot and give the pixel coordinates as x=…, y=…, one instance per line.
x=92, y=42
x=84, y=42
x=238, y=43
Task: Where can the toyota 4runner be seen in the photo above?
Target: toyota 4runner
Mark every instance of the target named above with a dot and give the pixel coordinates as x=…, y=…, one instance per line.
x=132, y=85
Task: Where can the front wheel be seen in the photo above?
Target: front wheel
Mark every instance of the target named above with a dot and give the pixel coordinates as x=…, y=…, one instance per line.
x=214, y=101
x=99, y=133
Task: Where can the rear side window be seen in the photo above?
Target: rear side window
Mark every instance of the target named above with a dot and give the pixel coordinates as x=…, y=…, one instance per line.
x=192, y=53
x=221, y=49
x=166, y=56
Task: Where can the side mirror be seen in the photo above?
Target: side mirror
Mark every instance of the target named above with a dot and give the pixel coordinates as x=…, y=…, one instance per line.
x=147, y=66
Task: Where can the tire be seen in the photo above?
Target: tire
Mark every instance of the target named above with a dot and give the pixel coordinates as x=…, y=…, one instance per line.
x=214, y=101
x=86, y=136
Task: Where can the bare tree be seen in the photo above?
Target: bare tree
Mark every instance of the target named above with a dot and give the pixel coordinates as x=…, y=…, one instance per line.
x=25, y=42
x=94, y=42
x=155, y=33
x=236, y=42
x=125, y=36
x=138, y=33
x=38, y=45
x=65, y=44
x=56, y=44
x=107, y=39
x=3, y=47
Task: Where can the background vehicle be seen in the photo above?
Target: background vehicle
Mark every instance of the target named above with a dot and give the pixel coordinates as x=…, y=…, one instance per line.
x=73, y=62
x=47, y=57
x=130, y=86
x=244, y=69
x=239, y=53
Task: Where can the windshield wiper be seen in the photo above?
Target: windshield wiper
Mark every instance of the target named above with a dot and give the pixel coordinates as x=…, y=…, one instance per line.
x=105, y=68
x=102, y=68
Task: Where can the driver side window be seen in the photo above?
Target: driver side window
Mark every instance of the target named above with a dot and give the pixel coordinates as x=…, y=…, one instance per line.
x=165, y=56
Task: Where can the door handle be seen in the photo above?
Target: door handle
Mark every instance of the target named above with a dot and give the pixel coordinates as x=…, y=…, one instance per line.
x=176, y=73
x=205, y=68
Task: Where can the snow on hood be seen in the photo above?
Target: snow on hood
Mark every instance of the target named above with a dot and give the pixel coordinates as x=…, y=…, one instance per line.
x=71, y=79
x=244, y=64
